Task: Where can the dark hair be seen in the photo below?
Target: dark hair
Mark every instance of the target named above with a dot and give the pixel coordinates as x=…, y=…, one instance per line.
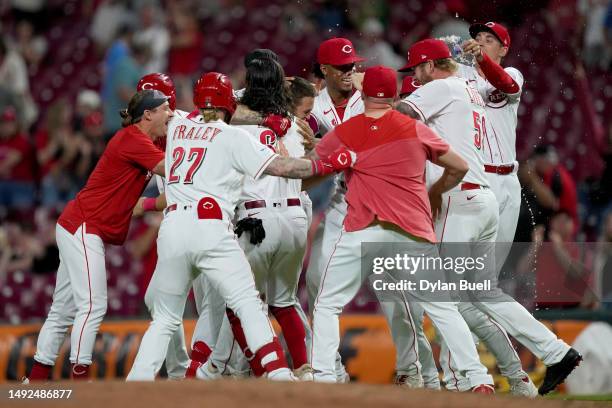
x=265, y=90
x=127, y=115
x=3, y=47
x=259, y=53
x=300, y=88
x=316, y=70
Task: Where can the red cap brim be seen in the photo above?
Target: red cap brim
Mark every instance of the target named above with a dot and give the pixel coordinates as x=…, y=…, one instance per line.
x=480, y=27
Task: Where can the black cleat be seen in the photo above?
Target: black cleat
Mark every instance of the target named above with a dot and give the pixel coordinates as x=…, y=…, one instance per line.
x=557, y=373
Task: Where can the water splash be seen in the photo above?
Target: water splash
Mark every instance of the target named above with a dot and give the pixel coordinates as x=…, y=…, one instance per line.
x=454, y=45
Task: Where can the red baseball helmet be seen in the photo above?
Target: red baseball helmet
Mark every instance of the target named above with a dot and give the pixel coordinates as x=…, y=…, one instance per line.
x=214, y=90
x=161, y=83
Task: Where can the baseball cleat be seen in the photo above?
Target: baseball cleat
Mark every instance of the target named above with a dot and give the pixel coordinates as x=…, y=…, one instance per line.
x=557, y=373
x=523, y=387
x=208, y=371
x=487, y=389
x=304, y=373
x=409, y=381
x=281, y=374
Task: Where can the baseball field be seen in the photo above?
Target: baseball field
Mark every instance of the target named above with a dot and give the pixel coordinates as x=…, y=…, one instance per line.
x=261, y=393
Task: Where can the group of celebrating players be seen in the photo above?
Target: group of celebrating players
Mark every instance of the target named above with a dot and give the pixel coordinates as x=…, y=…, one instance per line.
x=436, y=165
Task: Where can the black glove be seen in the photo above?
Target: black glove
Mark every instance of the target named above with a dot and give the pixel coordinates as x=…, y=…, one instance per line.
x=252, y=225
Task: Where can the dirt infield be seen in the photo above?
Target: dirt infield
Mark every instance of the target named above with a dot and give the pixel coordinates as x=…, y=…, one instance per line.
x=260, y=393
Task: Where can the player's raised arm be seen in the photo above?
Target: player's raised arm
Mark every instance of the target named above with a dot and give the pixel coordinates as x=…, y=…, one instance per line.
x=304, y=168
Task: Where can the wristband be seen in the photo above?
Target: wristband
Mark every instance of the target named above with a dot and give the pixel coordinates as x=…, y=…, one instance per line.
x=148, y=204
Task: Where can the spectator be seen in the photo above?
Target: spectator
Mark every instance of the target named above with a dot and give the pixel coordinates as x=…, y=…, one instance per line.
x=153, y=34
x=87, y=102
x=553, y=186
x=32, y=47
x=121, y=85
x=16, y=163
x=186, y=47
x=592, y=15
x=14, y=77
x=563, y=279
x=119, y=49
x=377, y=50
x=107, y=20
x=58, y=154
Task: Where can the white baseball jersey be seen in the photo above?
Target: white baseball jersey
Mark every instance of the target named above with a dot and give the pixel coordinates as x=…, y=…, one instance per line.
x=501, y=110
x=325, y=112
x=457, y=112
x=211, y=160
x=272, y=187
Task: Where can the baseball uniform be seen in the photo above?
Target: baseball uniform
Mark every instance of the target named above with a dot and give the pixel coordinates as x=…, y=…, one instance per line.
x=100, y=214
x=470, y=215
x=205, y=167
x=387, y=202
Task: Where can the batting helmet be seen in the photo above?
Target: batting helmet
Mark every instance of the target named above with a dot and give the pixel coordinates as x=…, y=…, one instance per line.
x=161, y=83
x=214, y=90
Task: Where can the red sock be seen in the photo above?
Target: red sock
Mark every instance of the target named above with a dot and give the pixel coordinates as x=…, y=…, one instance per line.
x=80, y=372
x=276, y=349
x=40, y=372
x=294, y=332
x=193, y=367
x=254, y=362
x=200, y=352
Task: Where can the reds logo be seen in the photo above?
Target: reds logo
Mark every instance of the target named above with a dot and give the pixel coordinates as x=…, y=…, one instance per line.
x=342, y=159
x=415, y=83
x=268, y=138
x=147, y=85
x=347, y=49
x=497, y=99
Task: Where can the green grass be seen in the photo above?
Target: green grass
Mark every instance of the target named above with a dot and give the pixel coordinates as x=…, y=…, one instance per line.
x=597, y=397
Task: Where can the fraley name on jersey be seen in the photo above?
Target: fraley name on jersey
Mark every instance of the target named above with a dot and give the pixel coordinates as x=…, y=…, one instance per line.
x=195, y=133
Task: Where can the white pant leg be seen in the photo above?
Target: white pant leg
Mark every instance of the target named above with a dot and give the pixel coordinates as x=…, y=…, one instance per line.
x=507, y=190
x=339, y=284
x=226, y=355
x=61, y=314
x=177, y=358
x=211, y=310
x=229, y=272
x=87, y=271
x=429, y=370
x=165, y=298
x=403, y=331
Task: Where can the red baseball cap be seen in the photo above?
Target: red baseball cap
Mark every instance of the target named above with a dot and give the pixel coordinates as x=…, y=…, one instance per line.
x=380, y=82
x=496, y=29
x=409, y=85
x=425, y=50
x=337, y=51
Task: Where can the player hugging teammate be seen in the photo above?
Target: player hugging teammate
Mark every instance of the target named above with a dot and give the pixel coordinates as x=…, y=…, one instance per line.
x=236, y=219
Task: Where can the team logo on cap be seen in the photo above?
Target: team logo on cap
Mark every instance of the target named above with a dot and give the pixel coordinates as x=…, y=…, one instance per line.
x=347, y=49
x=147, y=85
x=423, y=56
x=490, y=24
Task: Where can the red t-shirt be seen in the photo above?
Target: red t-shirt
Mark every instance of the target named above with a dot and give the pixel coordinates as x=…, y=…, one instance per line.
x=387, y=181
x=24, y=170
x=121, y=175
x=563, y=187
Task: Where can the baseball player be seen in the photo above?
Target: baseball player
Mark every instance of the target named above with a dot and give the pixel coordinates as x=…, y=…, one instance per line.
x=387, y=202
x=99, y=214
x=336, y=103
x=469, y=214
x=207, y=161
x=271, y=222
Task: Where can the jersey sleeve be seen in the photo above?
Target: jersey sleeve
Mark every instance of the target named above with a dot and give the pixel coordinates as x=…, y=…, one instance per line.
x=249, y=156
x=330, y=143
x=518, y=78
x=140, y=150
x=429, y=99
x=433, y=144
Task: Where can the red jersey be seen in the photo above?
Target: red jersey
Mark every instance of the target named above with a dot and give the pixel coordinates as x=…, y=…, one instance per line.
x=121, y=175
x=387, y=181
x=24, y=169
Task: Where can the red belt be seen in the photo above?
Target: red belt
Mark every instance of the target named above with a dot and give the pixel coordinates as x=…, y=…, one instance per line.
x=503, y=169
x=291, y=202
x=470, y=186
x=170, y=208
